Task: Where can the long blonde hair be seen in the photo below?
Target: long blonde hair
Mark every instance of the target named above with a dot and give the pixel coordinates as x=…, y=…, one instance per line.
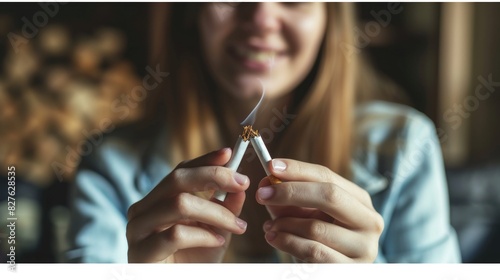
x=324, y=102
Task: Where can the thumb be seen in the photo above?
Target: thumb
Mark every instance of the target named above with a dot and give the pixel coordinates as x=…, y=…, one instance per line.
x=274, y=211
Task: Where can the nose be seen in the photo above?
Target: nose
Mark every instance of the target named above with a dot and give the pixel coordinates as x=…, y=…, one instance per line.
x=262, y=17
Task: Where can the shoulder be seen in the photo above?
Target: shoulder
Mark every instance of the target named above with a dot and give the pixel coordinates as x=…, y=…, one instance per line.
x=386, y=136
x=118, y=157
x=379, y=122
x=399, y=146
x=111, y=150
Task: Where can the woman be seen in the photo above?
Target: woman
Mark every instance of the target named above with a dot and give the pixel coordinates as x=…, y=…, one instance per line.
x=353, y=189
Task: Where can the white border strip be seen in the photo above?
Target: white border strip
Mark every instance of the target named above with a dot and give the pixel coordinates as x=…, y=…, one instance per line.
x=253, y=271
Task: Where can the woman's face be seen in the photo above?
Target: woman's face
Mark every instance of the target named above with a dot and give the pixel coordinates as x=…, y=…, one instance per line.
x=276, y=42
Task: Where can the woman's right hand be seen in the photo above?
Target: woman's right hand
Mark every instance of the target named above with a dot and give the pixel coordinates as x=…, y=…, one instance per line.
x=172, y=224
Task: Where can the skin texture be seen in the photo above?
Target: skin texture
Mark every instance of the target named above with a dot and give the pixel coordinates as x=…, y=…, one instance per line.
x=316, y=215
x=294, y=32
x=171, y=224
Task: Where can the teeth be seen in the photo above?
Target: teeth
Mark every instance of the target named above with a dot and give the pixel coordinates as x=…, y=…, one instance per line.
x=261, y=56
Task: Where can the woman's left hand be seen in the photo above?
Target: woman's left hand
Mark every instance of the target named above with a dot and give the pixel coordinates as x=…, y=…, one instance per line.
x=318, y=216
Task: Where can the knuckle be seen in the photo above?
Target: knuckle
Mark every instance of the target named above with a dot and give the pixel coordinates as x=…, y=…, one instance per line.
x=371, y=252
x=378, y=223
x=370, y=248
x=216, y=171
x=365, y=196
x=177, y=174
x=316, y=253
x=288, y=190
x=331, y=193
x=286, y=240
x=325, y=174
x=317, y=229
x=219, y=176
x=173, y=234
x=182, y=204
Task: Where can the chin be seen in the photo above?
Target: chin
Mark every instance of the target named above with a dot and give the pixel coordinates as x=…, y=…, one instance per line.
x=245, y=94
x=243, y=88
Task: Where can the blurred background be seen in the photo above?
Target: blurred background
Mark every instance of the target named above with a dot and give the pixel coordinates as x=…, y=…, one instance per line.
x=64, y=68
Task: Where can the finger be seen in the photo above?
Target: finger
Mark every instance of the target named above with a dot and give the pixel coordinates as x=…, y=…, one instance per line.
x=233, y=202
x=290, y=211
x=215, y=158
x=293, y=170
x=205, y=178
x=218, y=157
x=159, y=246
x=327, y=197
x=304, y=249
x=183, y=207
x=349, y=243
x=191, y=180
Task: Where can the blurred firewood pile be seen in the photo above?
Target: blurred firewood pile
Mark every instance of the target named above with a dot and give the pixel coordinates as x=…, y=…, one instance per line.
x=54, y=90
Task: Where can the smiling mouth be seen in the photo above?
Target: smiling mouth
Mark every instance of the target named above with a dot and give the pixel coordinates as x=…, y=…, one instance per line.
x=261, y=56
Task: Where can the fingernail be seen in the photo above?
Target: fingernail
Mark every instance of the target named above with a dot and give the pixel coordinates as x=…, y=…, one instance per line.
x=268, y=225
x=242, y=224
x=279, y=165
x=240, y=178
x=270, y=235
x=265, y=192
x=220, y=238
x=222, y=150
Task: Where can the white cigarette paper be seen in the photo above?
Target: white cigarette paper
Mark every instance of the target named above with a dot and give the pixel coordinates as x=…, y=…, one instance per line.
x=234, y=162
x=262, y=152
x=264, y=157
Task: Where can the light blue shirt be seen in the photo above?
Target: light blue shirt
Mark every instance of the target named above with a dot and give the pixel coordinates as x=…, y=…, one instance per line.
x=397, y=160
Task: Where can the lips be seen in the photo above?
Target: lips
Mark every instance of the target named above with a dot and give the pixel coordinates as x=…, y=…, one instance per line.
x=255, y=58
x=255, y=54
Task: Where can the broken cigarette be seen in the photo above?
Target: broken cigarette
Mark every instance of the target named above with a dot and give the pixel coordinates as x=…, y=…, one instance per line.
x=237, y=155
x=242, y=143
x=264, y=156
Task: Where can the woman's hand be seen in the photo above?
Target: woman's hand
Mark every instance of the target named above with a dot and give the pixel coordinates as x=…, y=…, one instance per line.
x=171, y=224
x=318, y=216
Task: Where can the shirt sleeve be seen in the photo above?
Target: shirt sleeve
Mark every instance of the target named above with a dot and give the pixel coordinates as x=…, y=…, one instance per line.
x=100, y=197
x=418, y=228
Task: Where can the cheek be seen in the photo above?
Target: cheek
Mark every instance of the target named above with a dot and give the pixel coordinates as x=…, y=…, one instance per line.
x=212, y=32
x=309, y=33
x=305, y=37
x=207, y=28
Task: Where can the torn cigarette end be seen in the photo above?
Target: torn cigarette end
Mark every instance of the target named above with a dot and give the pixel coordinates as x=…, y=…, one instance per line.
x=274, y=180
x=248, y=132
